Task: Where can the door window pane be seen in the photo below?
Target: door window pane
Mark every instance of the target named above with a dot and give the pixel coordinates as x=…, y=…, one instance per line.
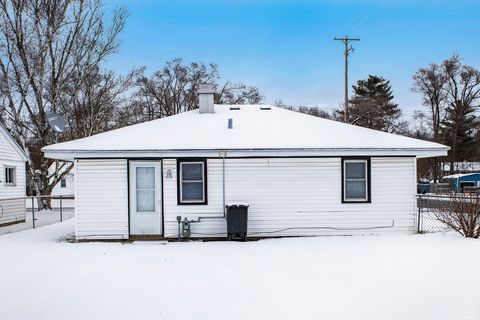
x=145, y=189
x=145, y=200
x=145, y=177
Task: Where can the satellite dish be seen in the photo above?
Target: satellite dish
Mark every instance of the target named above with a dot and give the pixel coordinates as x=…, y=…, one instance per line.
x=56, y=122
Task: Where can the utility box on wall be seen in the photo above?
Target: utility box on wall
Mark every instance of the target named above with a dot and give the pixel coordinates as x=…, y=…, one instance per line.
x=237, y=221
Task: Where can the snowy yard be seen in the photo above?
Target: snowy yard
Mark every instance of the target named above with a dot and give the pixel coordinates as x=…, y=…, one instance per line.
x=374, y=277
x=42, y=218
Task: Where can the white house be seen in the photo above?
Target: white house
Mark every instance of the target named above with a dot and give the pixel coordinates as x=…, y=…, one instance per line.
x=12, y=180
x=64, y=187
x=299, y=175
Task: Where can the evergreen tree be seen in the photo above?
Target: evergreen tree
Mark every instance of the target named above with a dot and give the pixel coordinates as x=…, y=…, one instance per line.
x=372, y=105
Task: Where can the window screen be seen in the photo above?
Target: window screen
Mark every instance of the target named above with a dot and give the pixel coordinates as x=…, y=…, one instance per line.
x=355, y=184
x=10, y=176
x=192, y=182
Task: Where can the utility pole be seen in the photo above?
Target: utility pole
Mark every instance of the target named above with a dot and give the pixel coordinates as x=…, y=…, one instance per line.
x=348, y=49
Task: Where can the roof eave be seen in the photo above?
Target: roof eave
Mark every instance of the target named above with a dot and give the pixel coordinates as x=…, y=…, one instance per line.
x=70, y=155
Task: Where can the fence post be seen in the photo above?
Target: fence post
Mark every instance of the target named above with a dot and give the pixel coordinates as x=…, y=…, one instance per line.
x=33, y=212
x=419, y=207
x=61, y=211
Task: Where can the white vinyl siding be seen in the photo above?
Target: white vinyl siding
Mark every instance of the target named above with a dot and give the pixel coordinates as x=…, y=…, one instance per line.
x=298, y=193
x=12, y=210
x=58, y=189
x=7, y=151
x=101, y=199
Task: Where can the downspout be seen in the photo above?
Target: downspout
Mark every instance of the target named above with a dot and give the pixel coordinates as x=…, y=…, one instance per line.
x=223, y=182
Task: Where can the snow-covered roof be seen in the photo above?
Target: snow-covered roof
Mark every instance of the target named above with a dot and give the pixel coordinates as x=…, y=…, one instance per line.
x=459, y=175
x=257, y=130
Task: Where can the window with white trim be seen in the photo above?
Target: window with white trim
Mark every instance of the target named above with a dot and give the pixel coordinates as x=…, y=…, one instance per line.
x=355, y=180
x=10, y=176
x=63, y=183
x=192, y=186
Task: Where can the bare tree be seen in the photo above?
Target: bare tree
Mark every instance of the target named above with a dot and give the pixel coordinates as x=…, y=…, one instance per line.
x=169, y=91
x=46, y=47
x=313, y=111
x=173, y=90
x=237, y=94
x=462, y=91
x=430, y=83
x=92, y=105
x=418, y=126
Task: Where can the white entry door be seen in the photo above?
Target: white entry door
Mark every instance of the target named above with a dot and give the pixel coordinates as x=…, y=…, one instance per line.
x=145, y=198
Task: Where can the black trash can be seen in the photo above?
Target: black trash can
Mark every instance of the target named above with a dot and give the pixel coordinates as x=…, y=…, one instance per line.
x=237, y=221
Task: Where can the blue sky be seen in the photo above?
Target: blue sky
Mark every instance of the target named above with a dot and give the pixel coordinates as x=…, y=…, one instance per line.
x=286, y=48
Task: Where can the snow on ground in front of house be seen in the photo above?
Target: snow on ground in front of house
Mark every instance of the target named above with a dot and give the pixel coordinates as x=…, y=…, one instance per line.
x=373, y=277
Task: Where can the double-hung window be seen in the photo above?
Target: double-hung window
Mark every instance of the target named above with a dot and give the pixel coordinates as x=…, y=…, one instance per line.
x=192, y=182
x=10, y=176
x=356, y=176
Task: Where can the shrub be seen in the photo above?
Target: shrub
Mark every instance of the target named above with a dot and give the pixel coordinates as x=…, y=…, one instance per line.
x=460, y=213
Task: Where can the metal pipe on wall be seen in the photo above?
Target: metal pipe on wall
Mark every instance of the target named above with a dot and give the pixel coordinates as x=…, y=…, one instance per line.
x=223, y=153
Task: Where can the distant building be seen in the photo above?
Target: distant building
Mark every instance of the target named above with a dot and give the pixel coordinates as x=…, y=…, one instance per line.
x=65, y=187
x=460, y=182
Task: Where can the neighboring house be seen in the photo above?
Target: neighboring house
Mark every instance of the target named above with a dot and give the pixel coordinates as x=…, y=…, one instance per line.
x=12, y=180
x=299, y=174
x=461, y=182
x=65, y=187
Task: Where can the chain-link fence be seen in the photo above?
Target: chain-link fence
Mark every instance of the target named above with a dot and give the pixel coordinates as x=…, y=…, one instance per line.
x=23, y=213
x=436, y=212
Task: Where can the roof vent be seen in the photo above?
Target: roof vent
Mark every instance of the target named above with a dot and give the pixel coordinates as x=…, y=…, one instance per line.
x=234, y=108
x=265, y=108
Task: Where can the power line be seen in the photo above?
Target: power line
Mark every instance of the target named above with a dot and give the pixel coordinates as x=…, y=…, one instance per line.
x=348, y=49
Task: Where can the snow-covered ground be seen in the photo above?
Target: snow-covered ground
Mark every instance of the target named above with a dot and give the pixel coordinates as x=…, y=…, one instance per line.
x=42, y=218
x=432, y=276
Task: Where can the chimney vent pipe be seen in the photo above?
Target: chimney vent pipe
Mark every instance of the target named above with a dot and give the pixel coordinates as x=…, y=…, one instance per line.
x=205, y=97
